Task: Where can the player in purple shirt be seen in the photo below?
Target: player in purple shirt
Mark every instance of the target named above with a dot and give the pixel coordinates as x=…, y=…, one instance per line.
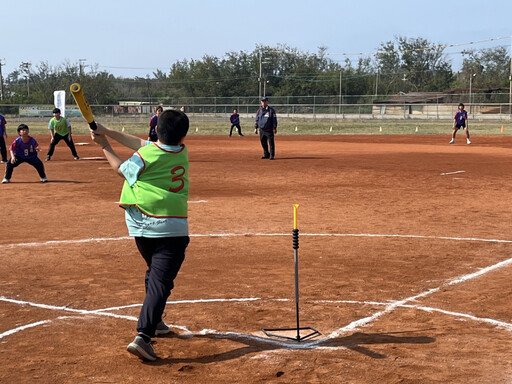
x=460, y=120
x=3, y=137
x=24, y=150
x=152, y=136
x=235, y=122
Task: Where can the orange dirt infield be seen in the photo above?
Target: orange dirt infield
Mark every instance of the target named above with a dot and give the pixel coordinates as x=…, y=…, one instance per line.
x=405, y=265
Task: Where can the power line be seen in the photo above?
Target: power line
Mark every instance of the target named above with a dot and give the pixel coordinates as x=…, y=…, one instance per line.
x=373, y=53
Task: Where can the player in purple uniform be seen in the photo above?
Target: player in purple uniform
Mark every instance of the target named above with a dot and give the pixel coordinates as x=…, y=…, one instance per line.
x=460, y=120
x=3, y=137
x=24, y=150
x=235, y=122
x=152, y=136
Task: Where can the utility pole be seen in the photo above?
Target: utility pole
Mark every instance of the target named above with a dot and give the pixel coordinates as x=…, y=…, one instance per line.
x=341, y=97
x=82, y=66
x=510, y=80
x=26, y=67
x=470, y=85
x=2, y=62
x=377, y=82
x=259, y=78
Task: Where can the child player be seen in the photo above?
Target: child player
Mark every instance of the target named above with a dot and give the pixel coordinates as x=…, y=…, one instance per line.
x=460, y=120
x=24, y=150
x=152, y=136
x=155, y=198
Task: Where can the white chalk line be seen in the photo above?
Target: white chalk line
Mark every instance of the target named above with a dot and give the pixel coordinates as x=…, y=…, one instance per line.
x=391, y=306
x=249, y=234
x=198, y=301
x=451, y=173
x=234, y=335
x=31, y=325
x=314, y=343
x=423, y=308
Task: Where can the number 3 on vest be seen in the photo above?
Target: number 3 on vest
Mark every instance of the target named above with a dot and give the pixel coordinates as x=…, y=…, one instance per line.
x=177, y=175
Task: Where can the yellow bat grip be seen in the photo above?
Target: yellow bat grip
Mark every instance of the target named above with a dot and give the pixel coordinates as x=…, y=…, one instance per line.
x=83, y=105
x=295, y=207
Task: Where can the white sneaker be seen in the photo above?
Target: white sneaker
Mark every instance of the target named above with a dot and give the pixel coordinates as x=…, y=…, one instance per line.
x=5, y=181
x=44, y=180
x=469, y=142
x=452, y=141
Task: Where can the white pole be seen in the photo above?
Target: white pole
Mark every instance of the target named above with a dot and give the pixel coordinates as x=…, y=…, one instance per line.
x=259, y=80
x=341, y=100
x=510, y=80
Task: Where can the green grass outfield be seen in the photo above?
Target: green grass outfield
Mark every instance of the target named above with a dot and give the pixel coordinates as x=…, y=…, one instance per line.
x=291, y=127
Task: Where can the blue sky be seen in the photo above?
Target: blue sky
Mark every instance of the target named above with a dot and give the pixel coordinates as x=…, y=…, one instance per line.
x=129, y=38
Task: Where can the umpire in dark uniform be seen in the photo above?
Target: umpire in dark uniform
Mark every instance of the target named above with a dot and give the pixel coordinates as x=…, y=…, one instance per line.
x=266, y=121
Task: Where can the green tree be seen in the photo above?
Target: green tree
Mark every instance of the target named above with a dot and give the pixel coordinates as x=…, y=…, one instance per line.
x=413, y=64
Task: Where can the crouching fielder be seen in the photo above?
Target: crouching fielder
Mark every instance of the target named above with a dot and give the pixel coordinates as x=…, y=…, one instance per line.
x=24, y=150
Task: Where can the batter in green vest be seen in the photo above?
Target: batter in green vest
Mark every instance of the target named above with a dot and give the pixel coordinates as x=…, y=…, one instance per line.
x=60, y=129
x=155, y=198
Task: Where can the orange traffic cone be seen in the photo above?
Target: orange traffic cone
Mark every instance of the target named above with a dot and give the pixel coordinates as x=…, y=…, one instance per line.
x=502, y=129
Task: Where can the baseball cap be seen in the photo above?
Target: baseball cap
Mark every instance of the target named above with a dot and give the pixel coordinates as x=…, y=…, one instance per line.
x=264, y=98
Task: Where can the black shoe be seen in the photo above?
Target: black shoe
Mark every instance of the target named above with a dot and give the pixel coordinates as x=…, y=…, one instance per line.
x=240, y=135
x=271, y=158
x=265, y=157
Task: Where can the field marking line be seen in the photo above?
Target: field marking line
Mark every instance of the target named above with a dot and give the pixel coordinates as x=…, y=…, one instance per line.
x=310, y=344
x=175, y=302
x=66, y=309
x=393, y=305
x=451, y=173
x=31, y=325
x=248, y=234
x=23, y=327
x=423, y=308
x=349, y=327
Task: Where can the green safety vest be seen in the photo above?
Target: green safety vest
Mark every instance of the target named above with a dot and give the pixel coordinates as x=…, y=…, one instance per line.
x=61, y=126
x=161, y=190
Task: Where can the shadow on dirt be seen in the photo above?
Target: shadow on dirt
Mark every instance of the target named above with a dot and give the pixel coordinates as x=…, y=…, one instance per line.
x=356, y=342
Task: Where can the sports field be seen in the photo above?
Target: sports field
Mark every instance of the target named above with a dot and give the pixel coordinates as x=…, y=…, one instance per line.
x=405, y=265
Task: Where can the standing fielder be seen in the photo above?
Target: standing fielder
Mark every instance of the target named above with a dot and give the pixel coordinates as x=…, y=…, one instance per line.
x=266, y=121
x=460, y=120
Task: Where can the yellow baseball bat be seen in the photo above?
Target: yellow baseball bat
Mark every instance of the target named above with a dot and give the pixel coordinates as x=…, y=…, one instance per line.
x=83, y=105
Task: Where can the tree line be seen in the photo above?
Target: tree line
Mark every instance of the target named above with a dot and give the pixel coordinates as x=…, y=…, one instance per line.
x=399, y=66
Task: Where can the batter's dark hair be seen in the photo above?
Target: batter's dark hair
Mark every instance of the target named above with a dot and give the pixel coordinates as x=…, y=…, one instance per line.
x=22, y=126
x=172, y=126
x=461, y=105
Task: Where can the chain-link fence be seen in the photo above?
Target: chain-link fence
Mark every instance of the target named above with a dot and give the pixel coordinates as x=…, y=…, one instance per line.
x=399, y=107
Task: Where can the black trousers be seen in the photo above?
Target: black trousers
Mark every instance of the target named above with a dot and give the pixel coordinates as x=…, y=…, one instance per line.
x=35, y=162
x=3, y=149
x=267, y=138
x=56, y=139
x=238, y=127
x=163, y=257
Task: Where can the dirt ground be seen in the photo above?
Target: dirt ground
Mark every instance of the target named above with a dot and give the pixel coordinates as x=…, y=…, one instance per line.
x=405, y=265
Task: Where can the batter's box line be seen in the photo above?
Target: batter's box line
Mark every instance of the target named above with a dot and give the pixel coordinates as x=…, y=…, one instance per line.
x=314, y=344
x=348, y=328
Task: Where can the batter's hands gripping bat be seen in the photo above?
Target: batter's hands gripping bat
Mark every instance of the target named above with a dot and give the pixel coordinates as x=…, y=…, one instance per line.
x=85, y=109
